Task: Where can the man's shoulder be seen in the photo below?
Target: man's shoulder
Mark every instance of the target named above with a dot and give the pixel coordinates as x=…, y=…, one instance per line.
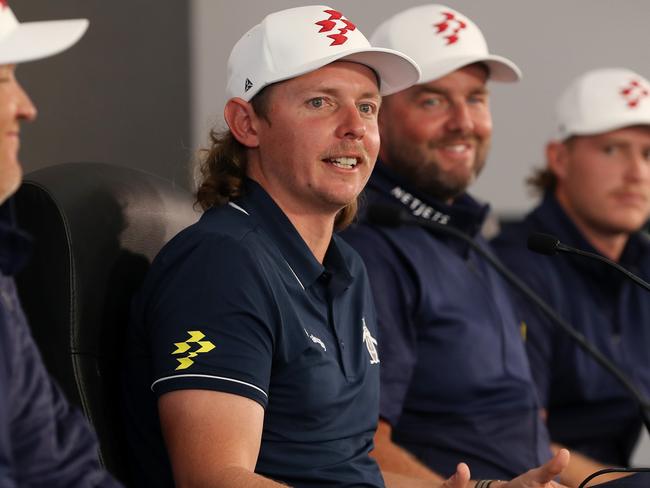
x=513, y=234
x=223, y=225
x=511, y=246
x=223, y=238
x=370, y=240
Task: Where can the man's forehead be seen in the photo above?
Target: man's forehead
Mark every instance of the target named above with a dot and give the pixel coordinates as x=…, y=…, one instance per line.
x=640, y=132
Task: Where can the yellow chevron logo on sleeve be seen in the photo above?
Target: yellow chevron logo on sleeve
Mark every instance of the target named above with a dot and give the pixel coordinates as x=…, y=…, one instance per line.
x=195, y=341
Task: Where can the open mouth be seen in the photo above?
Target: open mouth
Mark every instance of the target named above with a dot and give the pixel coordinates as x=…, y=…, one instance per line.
x=457, y=148
x=343, y=162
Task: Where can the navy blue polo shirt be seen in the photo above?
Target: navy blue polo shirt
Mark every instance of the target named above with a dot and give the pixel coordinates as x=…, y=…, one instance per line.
x=587, y=409
x=238, y=303
x=44, y=441
x=455, y=380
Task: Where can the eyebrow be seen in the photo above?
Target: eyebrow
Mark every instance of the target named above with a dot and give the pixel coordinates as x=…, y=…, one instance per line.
x=441, y=91
x=615, y=141
x=335, y=91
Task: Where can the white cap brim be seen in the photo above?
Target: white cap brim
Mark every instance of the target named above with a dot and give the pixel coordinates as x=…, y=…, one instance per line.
x=501, y=69
x=395, y=70
x=36, y=40
x=603, y=126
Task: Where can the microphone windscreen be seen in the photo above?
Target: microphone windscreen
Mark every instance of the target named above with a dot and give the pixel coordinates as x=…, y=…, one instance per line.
x=385, y=215
x=543, y=243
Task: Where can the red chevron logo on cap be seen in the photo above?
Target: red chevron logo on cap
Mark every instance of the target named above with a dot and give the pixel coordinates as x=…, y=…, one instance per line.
x=634, y=92
x=4, y=3
x=450, y=26
x=335, y=19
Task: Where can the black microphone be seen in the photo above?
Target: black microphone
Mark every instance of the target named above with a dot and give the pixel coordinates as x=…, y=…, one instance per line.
x=392, y=216
x=543, y=243
x=628, y=482
x=550, y=245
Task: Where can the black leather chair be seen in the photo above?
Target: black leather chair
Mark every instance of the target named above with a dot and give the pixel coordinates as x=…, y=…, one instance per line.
x=96, y=228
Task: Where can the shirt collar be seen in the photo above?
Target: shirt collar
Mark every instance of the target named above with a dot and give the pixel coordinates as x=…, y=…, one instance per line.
x=270, y=217
x=15, y=244
x=464, y=214
x=550, y=217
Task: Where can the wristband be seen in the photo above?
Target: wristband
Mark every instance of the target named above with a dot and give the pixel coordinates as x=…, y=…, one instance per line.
x=485, y=483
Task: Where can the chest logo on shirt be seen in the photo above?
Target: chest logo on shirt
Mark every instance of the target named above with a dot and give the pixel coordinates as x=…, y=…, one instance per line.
x=371, y=343
x=315, y=340
x=523, y=330
x=193, y=347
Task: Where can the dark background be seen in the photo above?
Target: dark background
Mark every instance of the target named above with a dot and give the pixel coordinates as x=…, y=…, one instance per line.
x=120, y=95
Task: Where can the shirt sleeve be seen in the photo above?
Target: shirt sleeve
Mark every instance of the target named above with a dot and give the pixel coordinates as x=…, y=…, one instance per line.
x=52, y=443
x=212, y=321
x=394, y=296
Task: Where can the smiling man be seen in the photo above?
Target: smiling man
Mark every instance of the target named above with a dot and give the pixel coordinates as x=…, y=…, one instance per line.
x=455, y=379
x=252, y=347
x=596, y=197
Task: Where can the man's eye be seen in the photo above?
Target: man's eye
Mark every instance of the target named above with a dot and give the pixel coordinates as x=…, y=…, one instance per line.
x=431, y=102
x=609, y=150
x=316, y=102
x=367, y=108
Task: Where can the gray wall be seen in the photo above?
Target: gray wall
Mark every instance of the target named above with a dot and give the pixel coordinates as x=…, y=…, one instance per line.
x=121, y=95
x=552, y=41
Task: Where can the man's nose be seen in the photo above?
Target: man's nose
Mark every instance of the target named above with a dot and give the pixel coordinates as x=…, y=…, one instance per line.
x=352, y=124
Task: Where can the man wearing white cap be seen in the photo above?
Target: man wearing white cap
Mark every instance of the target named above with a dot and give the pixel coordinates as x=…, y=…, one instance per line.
x=253, y=346
x=596, y=197
x=455, y=380
x=43, y=440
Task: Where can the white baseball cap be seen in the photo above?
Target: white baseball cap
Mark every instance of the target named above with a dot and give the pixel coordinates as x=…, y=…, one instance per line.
x=603, y=100
x=296, y=41
x=441, y=40
x=20, y=42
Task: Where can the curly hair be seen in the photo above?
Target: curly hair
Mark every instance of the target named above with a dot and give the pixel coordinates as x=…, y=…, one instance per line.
x=223, y=168
x=543, y=179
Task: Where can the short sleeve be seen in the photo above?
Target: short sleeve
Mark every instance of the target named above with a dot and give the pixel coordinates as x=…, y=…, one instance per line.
x=212, y=320
x=393, y=293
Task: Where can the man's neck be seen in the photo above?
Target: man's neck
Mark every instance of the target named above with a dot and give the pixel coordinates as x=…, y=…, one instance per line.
x=609, y=244
x=315, y=229
x=315, y=226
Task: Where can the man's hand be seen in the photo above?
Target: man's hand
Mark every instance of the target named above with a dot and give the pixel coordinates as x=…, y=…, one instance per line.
x=543, y=476
x=459, y=479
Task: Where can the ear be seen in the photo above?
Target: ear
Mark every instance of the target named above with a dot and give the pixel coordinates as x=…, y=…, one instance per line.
x=557, y=158
x=242, y=121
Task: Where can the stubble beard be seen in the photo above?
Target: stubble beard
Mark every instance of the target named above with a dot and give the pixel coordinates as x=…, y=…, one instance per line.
x=423, y=171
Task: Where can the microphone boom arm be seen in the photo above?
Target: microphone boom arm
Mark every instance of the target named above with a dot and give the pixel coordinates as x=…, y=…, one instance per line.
x=391, y=218
x=572, y=250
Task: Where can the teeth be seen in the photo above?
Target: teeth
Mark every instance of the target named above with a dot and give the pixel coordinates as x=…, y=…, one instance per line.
x=457, y=148
x=344, y=162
